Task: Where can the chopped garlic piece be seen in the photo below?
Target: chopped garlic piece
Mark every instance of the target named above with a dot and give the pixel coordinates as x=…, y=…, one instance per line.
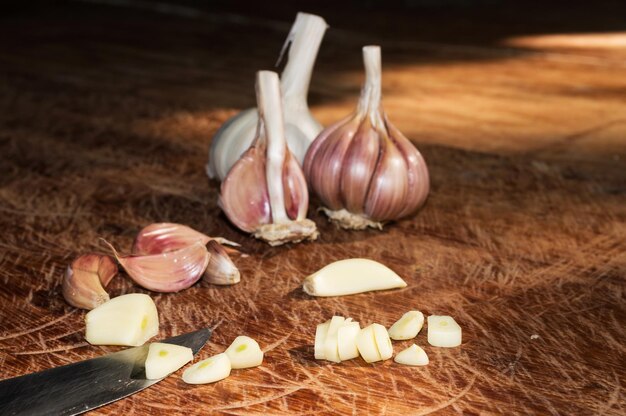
x=346, y=277
x=443, y=331
x=346, y=340
x=413, y=355
x=408, y=326
x=366, y=343
x=383, y=343
x=331, y=351
x=164, y=359
x=320, y=340
x=125, y=320
x=244, y=352
x=212, y=369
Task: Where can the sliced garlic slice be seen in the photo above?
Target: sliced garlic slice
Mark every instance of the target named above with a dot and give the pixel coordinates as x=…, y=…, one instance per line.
x=366, y=343
x=408, y=326
x=413, y=355
x=443, y=331
x=331, y=349
x=163, y=359
x=350, y=276
x=346, y=340
x=212, y=369
x=320, y=340
x=244, y=352
x=383, y=343
x=125, y=320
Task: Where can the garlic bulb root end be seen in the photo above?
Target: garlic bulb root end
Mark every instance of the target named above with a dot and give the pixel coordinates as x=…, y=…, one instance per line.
x=287, y=232
x=350, y=221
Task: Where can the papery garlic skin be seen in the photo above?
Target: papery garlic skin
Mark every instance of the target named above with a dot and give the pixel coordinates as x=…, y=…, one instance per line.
x=362, y=168
x=238, y=133
x=221, y=270
x=265, y=192
x=85, y=279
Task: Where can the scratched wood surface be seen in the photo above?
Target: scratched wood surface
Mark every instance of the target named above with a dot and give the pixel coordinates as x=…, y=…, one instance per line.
x=106, y=113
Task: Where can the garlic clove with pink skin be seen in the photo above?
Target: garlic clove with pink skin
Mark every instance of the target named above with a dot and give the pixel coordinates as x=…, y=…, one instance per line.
x=221, y=269
x=85, y=279
x=171, y=271
x=163, y=237
x=362, y=168
x=265, y=192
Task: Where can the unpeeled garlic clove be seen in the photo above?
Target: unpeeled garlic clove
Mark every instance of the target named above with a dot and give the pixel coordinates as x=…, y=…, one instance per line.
x=85, y=279
x=350, y=276
x=165, y=236
x=238, y=133
x=167, y=272
x=265, y=192
x=362, y=168
x=221, y=270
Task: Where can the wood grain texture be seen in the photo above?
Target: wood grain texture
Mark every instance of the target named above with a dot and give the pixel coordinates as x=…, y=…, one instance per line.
x=106, y=114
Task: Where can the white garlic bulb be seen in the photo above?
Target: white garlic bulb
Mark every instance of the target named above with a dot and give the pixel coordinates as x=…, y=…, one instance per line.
x=362, y=168
x=236, y=135
x=265, y=192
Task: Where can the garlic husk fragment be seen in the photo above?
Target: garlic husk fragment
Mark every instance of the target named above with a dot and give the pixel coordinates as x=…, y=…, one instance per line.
x=244, y=352
x=163, y=237
x=238, y=133
x=221, y=270
x=128, y=320
x=85, y=279
x=350, y=276
x=408, y=326
x=163, y=359
x=362, y=168
x=414, y=355
x=443, y=331
x=167, y=272
x=212, y=369
x=265, y=192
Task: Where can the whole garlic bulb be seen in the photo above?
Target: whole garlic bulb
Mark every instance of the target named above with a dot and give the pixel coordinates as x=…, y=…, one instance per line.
x=265, y=192
x=362, y=168
x=236, y=135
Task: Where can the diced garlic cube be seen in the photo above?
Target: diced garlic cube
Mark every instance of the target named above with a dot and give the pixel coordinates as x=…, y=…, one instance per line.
x=164, y=359
x=366, y=343
x=320, y=340
x=212, y=369
x=346, y=340
x=443, y=331
x=331, y=351
x=408, y=326
x=244, y=352
x=383, y=343
x=413, y=355
x=125, y=320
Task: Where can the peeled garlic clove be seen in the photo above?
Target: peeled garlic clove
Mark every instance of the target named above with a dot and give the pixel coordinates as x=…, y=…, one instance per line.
x=320, y=340
x=221, y=270
x=350, y=276
x=212, y=369
x=163, y=359
x=85, y=279
x=238, y=133
x=383, y=343
x=408, y=326
x=163, y=237
x=244, y=352
x=413, y=355
x=125, y=320
x=167, y=272
x=362, y=168
x=346, y=340
x=366, y=344
x=443, y=331
x=265, y=192
x=331, y=347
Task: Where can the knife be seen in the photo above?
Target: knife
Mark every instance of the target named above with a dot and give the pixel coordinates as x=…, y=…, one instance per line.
x=82, y=386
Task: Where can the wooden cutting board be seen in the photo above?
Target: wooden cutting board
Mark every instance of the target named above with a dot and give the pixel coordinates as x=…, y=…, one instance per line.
x=105, y=120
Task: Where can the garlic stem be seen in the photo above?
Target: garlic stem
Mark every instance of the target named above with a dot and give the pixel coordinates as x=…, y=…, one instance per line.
x=303, y=42
x=272, y=127
x=369, y=102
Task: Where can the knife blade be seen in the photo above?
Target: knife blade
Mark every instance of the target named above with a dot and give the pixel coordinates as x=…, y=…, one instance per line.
x=76, y=388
